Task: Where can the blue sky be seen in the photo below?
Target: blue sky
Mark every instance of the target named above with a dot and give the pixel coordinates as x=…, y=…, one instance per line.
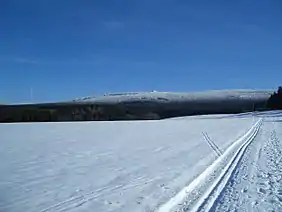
x=73, y=48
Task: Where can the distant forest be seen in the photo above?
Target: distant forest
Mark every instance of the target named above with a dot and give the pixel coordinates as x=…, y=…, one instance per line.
x=275, y=100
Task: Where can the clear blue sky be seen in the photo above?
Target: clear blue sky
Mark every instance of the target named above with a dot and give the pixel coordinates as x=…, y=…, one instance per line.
x=65, y=49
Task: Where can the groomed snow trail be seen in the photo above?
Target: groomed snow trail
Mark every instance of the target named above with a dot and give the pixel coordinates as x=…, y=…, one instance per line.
x=204, y=190
x=257, y=182
x=247, y=177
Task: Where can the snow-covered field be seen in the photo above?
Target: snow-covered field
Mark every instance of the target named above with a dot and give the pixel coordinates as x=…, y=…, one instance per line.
x=217, y=163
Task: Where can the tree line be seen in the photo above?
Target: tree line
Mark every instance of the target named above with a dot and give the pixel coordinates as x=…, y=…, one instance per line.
x=275, y=100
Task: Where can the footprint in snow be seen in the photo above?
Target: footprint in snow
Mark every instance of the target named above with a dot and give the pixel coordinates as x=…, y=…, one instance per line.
x=140, y=199
x=255, y=203
x=262, y=191
x=164, y=187
x=244, y=190
x=279, y=192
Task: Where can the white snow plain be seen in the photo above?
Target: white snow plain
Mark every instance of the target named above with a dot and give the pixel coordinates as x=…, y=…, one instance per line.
x=143, y=165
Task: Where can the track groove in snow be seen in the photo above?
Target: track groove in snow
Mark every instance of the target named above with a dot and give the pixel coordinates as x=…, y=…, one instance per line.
x=212, y=144
x=208, y=201
x=256, y=185
x=198, y=195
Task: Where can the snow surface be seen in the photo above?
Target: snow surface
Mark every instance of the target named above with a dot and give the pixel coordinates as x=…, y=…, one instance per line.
x=256, y=184
x=143, y=165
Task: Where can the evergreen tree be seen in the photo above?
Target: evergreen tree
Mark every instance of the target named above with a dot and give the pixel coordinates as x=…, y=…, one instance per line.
x=275, y=100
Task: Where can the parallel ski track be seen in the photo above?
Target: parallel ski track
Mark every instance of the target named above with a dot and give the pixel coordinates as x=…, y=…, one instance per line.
x=214, y=147
x=211, y=194
x=209, y=199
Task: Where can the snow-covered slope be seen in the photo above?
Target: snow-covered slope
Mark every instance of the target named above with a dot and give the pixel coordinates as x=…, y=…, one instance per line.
x=176, y=97
x=142, y=165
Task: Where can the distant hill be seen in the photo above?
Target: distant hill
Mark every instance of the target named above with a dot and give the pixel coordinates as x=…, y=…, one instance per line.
x=140, y=106
x=178, y=97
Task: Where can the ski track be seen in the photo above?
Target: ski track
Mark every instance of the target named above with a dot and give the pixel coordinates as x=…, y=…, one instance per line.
x=214, y=147
x=251, y=180
x=210, y=198
x=214, y=144
x=235, y=193
x=257, y=183
x=198, y=195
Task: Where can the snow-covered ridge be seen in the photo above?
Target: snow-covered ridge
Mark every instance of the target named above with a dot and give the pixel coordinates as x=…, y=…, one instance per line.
x=179, y=96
